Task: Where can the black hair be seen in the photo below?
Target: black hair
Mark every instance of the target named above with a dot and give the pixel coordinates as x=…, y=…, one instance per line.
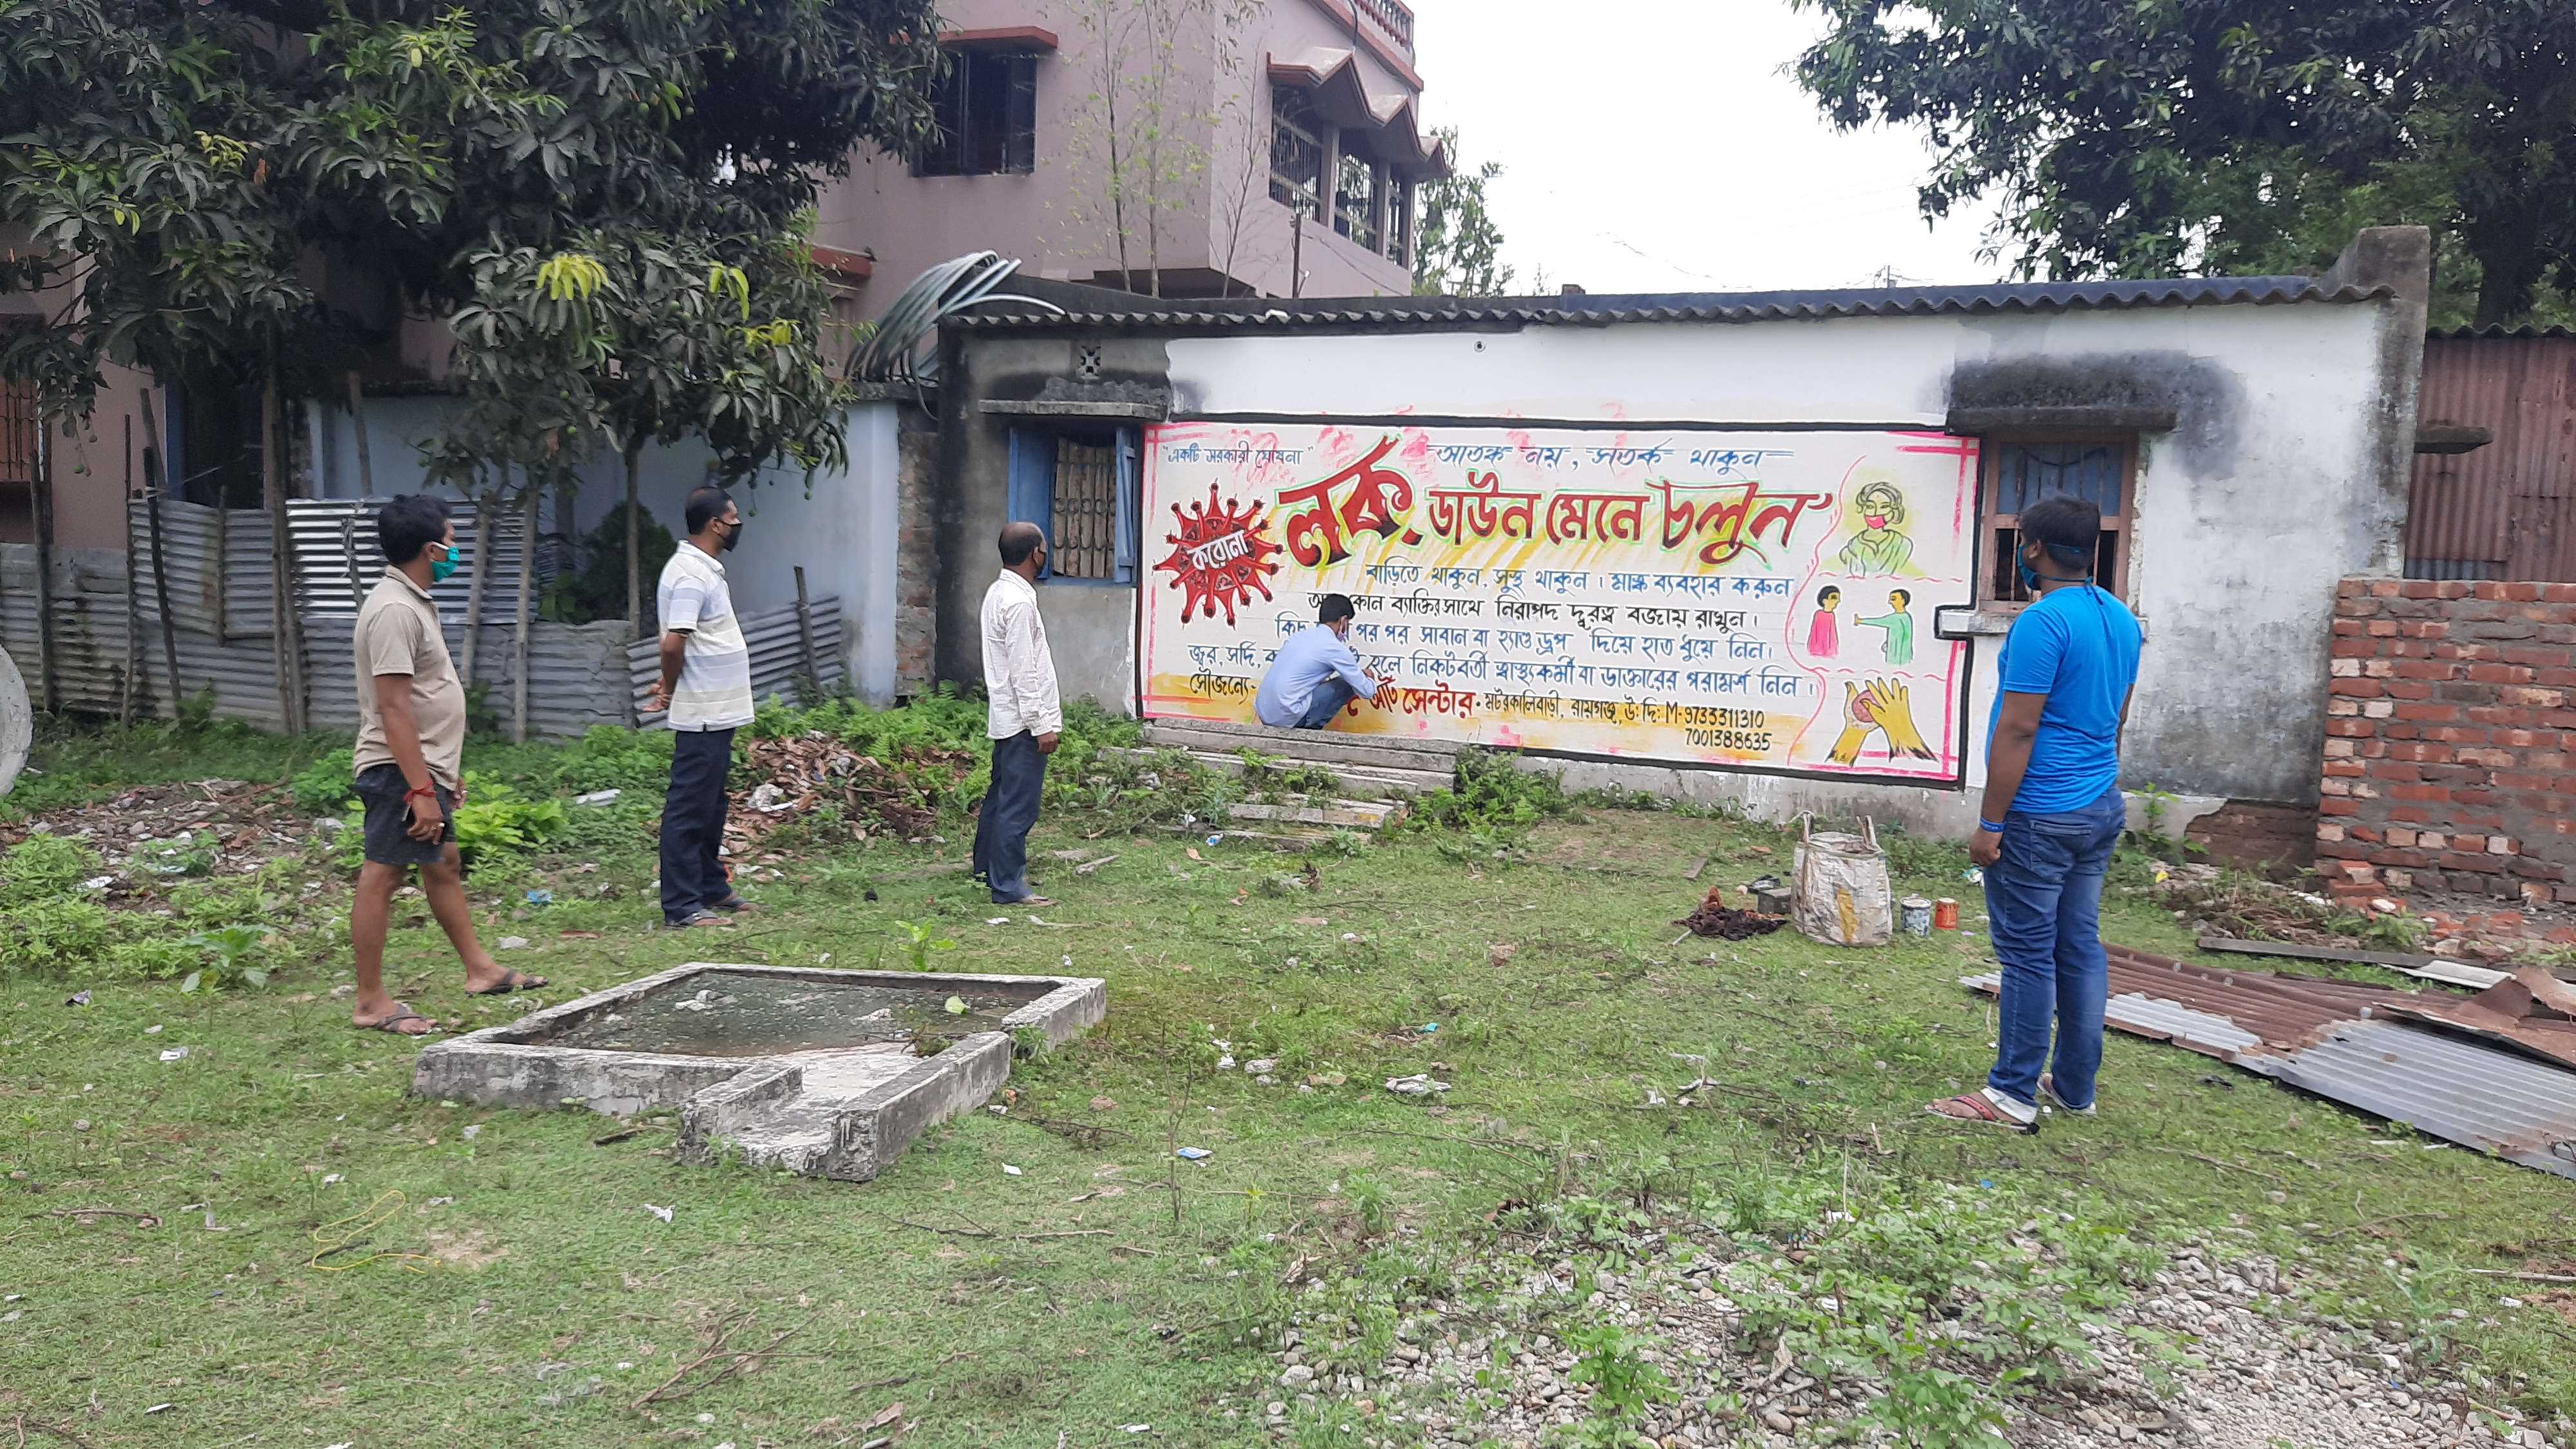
x=1905, y=594
x=1018, y=541
x=1334, y=608
x=2068, y=527
x=705, y=506
x=408, y=523
x=1827, y=592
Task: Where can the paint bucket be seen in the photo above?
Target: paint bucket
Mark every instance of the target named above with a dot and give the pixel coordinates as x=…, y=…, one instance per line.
x=1917, y=915
x=1945, y=914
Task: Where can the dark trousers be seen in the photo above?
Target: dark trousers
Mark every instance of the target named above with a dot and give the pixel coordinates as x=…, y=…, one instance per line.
x=1010, y=808
x=2044, y=902
x=1327, y=702
x=693, y=819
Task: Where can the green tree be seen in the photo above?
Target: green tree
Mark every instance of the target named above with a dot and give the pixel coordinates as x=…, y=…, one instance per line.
x=2134, y=139
x=1459, y=253
x=605, y=202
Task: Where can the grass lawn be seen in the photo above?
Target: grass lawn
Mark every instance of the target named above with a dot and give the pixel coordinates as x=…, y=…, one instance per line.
x=515, y=1281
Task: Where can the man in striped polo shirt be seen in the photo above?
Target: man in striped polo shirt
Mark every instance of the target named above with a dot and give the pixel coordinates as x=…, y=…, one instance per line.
x=706, y=687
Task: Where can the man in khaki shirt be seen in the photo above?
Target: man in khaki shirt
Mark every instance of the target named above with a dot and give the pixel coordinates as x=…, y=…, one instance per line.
x=411, y=747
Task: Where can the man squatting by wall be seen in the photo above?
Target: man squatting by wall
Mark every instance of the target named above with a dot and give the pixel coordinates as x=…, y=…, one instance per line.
x=411, y=745
x=706, y=688
x=1023, y=717
x=1315, y=673
x=2052, y=812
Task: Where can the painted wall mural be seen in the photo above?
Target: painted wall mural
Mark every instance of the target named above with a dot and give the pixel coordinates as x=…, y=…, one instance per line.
x=1696, y=595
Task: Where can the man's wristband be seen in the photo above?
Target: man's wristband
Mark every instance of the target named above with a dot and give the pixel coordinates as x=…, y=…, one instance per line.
x=1989, y=826
x=417, y=791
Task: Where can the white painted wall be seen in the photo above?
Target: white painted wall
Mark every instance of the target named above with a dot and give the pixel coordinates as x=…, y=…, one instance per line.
x=2244, y=518
x=840, y=528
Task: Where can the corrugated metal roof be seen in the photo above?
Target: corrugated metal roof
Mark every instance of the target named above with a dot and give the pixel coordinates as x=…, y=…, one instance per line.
x=1098, y=307
x=2506, y=510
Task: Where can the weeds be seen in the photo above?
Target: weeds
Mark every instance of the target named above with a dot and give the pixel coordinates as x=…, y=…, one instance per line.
x=1625, y=1388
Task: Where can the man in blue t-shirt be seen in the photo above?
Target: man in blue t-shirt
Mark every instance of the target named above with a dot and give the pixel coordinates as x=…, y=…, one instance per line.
x=1315, y=673
x=2051, y=815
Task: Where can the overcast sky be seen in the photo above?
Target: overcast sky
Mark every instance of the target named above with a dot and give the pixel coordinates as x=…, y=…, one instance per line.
x=1658, y=146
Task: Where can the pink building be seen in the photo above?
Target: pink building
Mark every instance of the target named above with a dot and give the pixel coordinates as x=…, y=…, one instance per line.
x=1155, y=146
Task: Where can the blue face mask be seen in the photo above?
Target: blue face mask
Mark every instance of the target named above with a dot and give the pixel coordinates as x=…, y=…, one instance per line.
x=441, y=568
x=2031, y=577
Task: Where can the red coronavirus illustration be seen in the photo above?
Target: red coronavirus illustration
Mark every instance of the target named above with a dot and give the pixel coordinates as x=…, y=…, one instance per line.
x=1220, y=556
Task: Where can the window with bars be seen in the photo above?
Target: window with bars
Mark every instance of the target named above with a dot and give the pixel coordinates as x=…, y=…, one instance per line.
x=1355, y=180
x=1296, y=152
x=19, y=441
x=987, y=114
x=2021, y=471
x=1081, y=487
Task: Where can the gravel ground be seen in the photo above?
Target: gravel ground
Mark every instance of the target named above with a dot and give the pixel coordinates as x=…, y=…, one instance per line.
x=2273, y=1375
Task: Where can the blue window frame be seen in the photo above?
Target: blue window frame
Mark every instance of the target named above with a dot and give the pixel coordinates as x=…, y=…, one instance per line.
x=1081, y=487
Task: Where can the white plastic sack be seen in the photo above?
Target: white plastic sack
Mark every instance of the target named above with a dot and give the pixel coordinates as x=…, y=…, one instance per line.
x=1838, y=889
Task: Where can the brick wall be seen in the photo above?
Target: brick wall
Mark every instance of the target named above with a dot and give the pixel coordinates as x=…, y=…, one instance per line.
x=2450, y=756
x=916, y=617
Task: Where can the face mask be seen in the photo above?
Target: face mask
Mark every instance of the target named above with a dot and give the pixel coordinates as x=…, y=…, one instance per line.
x=441, y=568
x=1876, y=520
x=733, y=535
x=2030, y=577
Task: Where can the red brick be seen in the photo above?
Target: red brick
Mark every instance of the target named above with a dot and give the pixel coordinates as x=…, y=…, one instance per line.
x=2338, y=807
x=2482, y=864
x=2410, y=814
x=2390, y=588
x=2457, y=734
x=2501, y=716
x=2421, y=629
x=2520, y=780
x=2452, y=589
x=2342, y=849
x=2421, y=712
x=2351, y=728
x=2351, y=628
x=2357, y=688
x=2386, y=770
x=2406, y=689
x=2351, y=588
x=2381, y=628
x=2434, y=794
x=2536, y=654
x=2365, y=835
x=2346, y=769
x=2424, y=669
x=2400, y=859
x=2559, y=593
x=2519, y=593
x=2500, y=674
x=2419, y=751
x=2354, y=649
x=2528, y=739
x=2488, y=757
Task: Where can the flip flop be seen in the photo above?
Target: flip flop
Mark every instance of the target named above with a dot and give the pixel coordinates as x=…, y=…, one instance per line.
x=734, y=903
x=2048, y=1089
x=699, y=917
x=392, y=1025
x=1038, y=901
x=515, y=981
x=1976, y=1111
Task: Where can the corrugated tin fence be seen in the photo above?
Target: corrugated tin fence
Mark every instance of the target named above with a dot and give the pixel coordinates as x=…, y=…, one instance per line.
x=2495, y=467
x=215, y=570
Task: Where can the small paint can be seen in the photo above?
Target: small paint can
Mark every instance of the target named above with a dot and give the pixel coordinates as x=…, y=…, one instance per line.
x=1945, y=914
x=1918, y=915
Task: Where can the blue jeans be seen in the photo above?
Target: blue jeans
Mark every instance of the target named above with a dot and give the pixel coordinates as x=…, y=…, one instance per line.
x=1010, y=809
x=693, y=821
x=1329, y=698
x=2044, y=901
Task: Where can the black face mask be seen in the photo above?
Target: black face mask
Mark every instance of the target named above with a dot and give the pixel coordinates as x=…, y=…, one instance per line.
x=733, y=535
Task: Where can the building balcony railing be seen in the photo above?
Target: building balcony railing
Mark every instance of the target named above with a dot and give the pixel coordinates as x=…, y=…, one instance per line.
x=1392, y=16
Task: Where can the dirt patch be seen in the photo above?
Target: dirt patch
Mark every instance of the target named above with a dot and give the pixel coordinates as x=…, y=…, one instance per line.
x=471, y=1249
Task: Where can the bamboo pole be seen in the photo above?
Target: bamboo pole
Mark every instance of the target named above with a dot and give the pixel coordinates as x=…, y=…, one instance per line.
x=519, y=645
x=41, y=497
x=157, y=473
x=480, y=568
x=634, y=544
x=133, y=599
x=805, y=637
x=358, y=424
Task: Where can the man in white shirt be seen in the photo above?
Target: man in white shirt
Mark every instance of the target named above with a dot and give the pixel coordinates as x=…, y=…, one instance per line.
x=1023, y=717
x=706, y=687
x=1315, y=673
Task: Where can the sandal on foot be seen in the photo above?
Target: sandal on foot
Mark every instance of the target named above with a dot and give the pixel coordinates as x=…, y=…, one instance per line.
x=731, y=904
x=1979, y=1110
x=1040, y=902
x=699, y=917
x=514, y=981
x=2048, y=1090
x=392, y=1023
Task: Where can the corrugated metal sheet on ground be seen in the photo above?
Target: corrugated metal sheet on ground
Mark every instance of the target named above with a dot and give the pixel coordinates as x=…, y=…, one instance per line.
x=777, y=654
x=2352, y=1043
x=2506, y=510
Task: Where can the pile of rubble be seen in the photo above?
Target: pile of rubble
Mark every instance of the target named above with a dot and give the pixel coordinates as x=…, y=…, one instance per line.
x=896, y=797
x=155, y=834
x=2241, y=907
x=2256, y=1369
